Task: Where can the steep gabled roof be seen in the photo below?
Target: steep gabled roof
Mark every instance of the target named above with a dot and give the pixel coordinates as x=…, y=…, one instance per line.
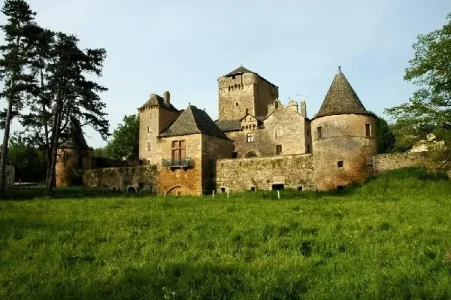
x=341, y=99
x=155, y=99
x=192, y=121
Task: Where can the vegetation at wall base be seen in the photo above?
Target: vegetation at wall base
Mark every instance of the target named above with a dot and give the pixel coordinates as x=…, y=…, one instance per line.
x=385, y=239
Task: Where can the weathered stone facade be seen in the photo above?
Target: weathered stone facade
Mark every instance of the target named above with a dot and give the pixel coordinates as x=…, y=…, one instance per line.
x=155, y=116
x=243, y=91
x=124, y=178
x=70, y=163
x=342, y=149
x=291, y=171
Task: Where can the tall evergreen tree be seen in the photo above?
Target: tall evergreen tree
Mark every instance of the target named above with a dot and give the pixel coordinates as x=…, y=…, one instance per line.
x=73, y=95
x=13, y=72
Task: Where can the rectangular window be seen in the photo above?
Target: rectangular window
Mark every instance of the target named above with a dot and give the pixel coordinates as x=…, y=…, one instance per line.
x=148, y=146
x=340, y=164
x=278, y=133
x=148, y=129
x=320, y=132
x=178, y=150
x=367, y=129
x=278, y=149
x=250, y=138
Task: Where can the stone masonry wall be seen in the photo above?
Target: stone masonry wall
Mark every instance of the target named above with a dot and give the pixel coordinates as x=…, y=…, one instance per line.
x=291, y=134
x=392, y=161
x=238, y=175
x=122, y=178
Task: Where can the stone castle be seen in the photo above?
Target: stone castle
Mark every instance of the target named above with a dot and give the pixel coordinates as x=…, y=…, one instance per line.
x=256, y=143
x=195, y=155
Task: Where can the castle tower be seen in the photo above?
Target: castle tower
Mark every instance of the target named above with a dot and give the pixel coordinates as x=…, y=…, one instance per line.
x=73, y=156
x=155, y=116
x=243, y=90
x=344, y=137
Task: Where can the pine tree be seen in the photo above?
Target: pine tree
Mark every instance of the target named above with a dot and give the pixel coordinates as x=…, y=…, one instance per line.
x=13, y=72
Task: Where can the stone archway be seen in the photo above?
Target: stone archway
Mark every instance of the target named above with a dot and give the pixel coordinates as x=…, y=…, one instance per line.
x=178, y=190
x=251, y=154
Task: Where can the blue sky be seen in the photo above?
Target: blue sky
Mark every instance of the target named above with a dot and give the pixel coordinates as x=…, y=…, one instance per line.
x=184, y=46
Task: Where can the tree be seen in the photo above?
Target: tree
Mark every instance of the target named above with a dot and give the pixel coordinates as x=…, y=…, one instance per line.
x=384, y=137
x=125, y=140
x=429, y=108
x=64, y=93
x=29, y=161
x=13, y=64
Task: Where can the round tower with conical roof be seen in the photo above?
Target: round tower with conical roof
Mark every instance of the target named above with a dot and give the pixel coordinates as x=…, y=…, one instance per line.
x=344, y=138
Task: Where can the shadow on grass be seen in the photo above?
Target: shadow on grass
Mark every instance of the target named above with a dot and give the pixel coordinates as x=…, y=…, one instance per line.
x=74, y=192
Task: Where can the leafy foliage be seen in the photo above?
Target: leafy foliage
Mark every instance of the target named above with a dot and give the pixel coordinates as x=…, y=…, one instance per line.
x=384, y=137
x=125, y=140
x=17, y=83
x=29, y=161
x=429, y=108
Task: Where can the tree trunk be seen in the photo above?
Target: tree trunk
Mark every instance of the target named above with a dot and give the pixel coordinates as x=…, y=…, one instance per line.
x=4, y=154
x=54, y=144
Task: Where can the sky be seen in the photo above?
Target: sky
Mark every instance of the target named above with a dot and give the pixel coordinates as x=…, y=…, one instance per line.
x=185, y=46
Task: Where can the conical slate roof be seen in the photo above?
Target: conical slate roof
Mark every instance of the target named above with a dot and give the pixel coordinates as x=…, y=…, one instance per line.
x=341, y=99
x=73, y=137
x=192, y=121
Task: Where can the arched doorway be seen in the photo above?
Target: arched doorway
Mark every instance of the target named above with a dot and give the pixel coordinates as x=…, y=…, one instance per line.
x=251, y=154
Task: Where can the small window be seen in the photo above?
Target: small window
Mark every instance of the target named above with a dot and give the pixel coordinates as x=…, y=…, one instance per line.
x=253, y=189
x=278, y=132
x=277, y=186
x=250, y=138
x=278, y=149
x=368, y=129
x=148, y=128
x=299, y=187
x=236, y=104
x=222, y=189
x=148, y=146
x=340, y=164
x=319, y=131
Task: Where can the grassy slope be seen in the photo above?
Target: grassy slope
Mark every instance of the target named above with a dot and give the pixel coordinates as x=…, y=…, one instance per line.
x=387, y=239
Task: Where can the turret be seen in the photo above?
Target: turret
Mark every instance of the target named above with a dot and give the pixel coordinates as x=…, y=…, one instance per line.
x=344, y=137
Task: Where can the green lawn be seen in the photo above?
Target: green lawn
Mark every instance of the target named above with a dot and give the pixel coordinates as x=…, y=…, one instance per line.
x=388, y=239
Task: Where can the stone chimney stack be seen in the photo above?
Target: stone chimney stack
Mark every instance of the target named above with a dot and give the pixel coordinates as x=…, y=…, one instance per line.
x=303, y=109
x=293, y=105
x=167, y=98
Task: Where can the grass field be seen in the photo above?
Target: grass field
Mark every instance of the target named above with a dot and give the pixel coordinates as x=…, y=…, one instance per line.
x=390, y=238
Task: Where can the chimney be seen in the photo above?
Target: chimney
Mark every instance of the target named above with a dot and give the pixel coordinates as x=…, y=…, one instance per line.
x=303, y=109
x=293, y=105
x=167, y=98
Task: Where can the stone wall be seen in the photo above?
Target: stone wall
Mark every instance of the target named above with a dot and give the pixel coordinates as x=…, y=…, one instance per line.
x=142, y=177
x=283, y=127
x=236, y=175
x=242, y=92
x=392, y=161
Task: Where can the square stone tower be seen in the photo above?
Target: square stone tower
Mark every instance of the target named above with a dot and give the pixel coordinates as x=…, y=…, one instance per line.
x=243, y=91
